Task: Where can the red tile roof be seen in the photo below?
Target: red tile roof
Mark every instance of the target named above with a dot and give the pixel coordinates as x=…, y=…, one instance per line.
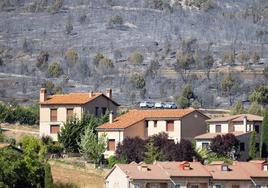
x=210, y=136
x=73, y=98
x=237, y=118
x=135, y=116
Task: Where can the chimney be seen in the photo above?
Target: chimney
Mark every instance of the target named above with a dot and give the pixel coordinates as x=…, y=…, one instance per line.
x=43, y=95
x=143, y=168
x=91, y=94
x=111, y=118
x=245, y=123
x=109, y=93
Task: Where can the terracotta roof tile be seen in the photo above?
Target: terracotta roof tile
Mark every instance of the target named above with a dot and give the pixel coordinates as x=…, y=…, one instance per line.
x=135, y=116
x=174, y=169
x=72, y=98
x=237, y=118
x=210, y=136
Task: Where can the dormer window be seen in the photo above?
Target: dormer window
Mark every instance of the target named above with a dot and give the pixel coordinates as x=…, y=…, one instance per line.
x=224, y=167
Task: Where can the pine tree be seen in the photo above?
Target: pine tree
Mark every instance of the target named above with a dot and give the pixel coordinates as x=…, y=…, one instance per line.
x=238, y=108
x=264, y=136
x=252, y=146
x=48, y=177
x=152, y=153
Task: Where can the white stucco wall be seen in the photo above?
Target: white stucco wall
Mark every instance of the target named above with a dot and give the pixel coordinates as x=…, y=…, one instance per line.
x=161, y=127
x=117, y=135
x=224, y=127
x=117, y=179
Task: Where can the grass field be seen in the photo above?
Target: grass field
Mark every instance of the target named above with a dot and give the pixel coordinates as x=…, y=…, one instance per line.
x=68, y=173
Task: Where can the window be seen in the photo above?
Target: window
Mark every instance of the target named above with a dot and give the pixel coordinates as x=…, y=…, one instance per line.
x=136, y=186
x=53, y=115
x=155, y=124
x=218, y=128
x=177, y=186
x=205, y=145
x=54, y=129
x=257, y=129
x=111, y=145
x=265, y=167
x=194, y=186
x=257, y=147
x=146, y=124
x=224, y=168
x=242, y=146
x=217, y=186
x=258, y=186
x=96, y=111
x=170, y=126
x=235, y=186
x=70, y=113
x=103, y=110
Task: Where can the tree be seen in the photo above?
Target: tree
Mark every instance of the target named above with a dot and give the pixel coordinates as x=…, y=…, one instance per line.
x=187, y=92
x=238, y=108
x=183, y=102
x=152, y=153
x=264, y=136
x=70, y=134
x=54, y=70
x=259, y=95
x=229, y=87
x=138, y=81
x=265, y=72
x=136, y=58
x=92, y=147
x=132, y=149
x=48, y=177
x=183, y=63
x=208, y=63
x=252, y=146
x=255, y=109
x=225, y=145
x=71, y=56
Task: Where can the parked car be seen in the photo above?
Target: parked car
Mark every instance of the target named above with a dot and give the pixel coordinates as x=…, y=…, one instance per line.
x=159, y=105
x=146, y=104
x=170, y=105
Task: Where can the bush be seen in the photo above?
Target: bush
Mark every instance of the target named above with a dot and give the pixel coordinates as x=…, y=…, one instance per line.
x=54, y=70
x=183, y=102
x=243, y=57
x=138, y=81
x=42, y=59
x=56, y=5
x=136, y=58
x=156, y=4
x=107, y=63
x=115, y=21
x=112, y=161
x=255, y=57
x=229, y=58
x=97, y=58
x=71, y=56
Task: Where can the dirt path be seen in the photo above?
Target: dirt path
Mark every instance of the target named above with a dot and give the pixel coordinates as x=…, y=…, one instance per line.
x=67, y=174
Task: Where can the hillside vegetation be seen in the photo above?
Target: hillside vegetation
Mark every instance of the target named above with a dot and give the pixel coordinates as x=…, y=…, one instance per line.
x=143, y=49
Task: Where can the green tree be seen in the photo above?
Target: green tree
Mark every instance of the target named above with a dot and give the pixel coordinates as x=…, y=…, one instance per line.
x=259, y=95
x=112, y=161
x=187, y=92
x=138, y=81
x=48, y=177
x=208, y=63
x=183, y=102
x=265, y=72
x=54, y=70
x=229, y=87
x=255, y=109
x=183, y=63
x=136, y=58
x=238, y=108
x=252, y=146
x=152, y=153
x=264, y=136
x=91, y=146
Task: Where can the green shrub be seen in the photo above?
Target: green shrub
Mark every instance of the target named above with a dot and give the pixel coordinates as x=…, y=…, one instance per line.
x=255, y=57
x=115, y=21
x=56, y=6
x=42, y=59
x=54, y=70
x=97, y=58
x=138, y=81
x=112, y=161
x=107, y=63
x=136, y=58
x=71, y=56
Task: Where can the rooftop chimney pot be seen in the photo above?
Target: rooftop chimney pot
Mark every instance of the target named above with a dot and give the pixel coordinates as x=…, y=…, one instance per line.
x=109, y=93
x=43, y=95
x=111, y=118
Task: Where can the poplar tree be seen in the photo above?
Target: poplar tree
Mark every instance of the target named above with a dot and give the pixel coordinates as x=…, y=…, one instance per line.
x=252, y=146
x=264, y=136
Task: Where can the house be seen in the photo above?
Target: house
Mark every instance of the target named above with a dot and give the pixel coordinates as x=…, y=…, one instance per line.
x=177, y=123
x=240, y=125
x=188, y=175
x=56, y=109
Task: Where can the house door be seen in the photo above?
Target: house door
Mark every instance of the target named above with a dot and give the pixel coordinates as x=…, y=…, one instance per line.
x=235, y=186
x=203, y=185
